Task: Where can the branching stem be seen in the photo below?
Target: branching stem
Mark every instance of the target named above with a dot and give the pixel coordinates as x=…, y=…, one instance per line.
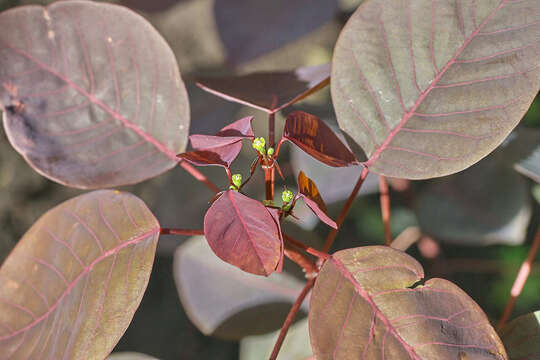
x=306, y=248
x=198, y=175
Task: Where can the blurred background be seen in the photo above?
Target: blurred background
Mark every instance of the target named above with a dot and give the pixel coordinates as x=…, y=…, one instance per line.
x=473, y=228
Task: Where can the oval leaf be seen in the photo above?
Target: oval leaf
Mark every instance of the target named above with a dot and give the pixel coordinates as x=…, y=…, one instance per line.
x=92, y=94
x=73, y=282
x=428, y=88
x=226, y=302
x=243, y=233
x=521, y=337
x=365, y=305
x=316, y=138
x=269, y=91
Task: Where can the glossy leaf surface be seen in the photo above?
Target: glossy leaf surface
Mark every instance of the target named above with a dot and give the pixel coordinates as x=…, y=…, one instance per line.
x=72, y=284
x=428, y=88
x=316, y=138
x=483, y=205
x=364, y=305
x=222, y=155
x=226, y=302
x=521, y=337
x=309, y=192
x=92, y=94
x=269, y=91
x=250, y=28
x=243, y=233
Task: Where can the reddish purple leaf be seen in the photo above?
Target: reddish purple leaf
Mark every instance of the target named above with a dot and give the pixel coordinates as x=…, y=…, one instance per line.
x=275, y=215
x=428, y=88
x=222, y=148
x=309, y=192
x=269, y=91
x=92, y=93
x=243, y=233
x=251, y=28
x=367, y=304
x=316, y=138
x=70, y=287
x=220, y=156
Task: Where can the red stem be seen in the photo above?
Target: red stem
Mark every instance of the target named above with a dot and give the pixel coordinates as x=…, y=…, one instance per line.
x=385, y=209
x=269, y=176
x=165, y=231
x=306, y=248
x=332, y=235
x=301, y=260
x=290, y=318
x=520, y=281
x=198, y=175
x=272, y=129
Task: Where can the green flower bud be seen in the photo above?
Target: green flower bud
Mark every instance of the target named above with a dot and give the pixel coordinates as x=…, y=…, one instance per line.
x=237, y=180
x=259, y=145
x=270, y=151
x=287, y=196
x=232, y=187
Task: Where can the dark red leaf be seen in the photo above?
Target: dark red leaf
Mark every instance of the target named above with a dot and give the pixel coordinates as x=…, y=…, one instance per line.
x=313, y=136
x=240, y=128
x=275, y=216
x=220, y=156
x=251, y=28
x=309, y=192
x=243, y=233
x=269, y=91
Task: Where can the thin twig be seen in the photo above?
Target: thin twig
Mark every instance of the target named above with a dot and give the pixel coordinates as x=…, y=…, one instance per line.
x=198, y=175
x=385, y=209
x=332, y=235
x=165, y=231
x=306, y=248
x=520, y=281
x=290, y=318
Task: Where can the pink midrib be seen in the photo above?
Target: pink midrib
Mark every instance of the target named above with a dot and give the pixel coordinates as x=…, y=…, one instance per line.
x=86, y=270
x=150, y=139
x=377, y=312
x=412, y=110
x=244, y=225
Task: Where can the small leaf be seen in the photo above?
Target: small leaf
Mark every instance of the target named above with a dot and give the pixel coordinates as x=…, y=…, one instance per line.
x=226, y=302
x=221, y=149
x=521, y=337
x=316, y=138
x=267, y=25
x=243, y=233
x=221, y=156
x=309, y=192
x=92, y=94
x=428, y=88
x=269, y=91
x=77, y=275
x=367, y=304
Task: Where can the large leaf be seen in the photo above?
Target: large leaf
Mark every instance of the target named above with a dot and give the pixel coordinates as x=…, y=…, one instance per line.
x=242, y=232
x=72, y=284
x=428, y=87
x=521, y=337
x=269, y=91
x=366, y=304
x=250, y=28
x=91, y=92
x=483, y=205
x=226, y=302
